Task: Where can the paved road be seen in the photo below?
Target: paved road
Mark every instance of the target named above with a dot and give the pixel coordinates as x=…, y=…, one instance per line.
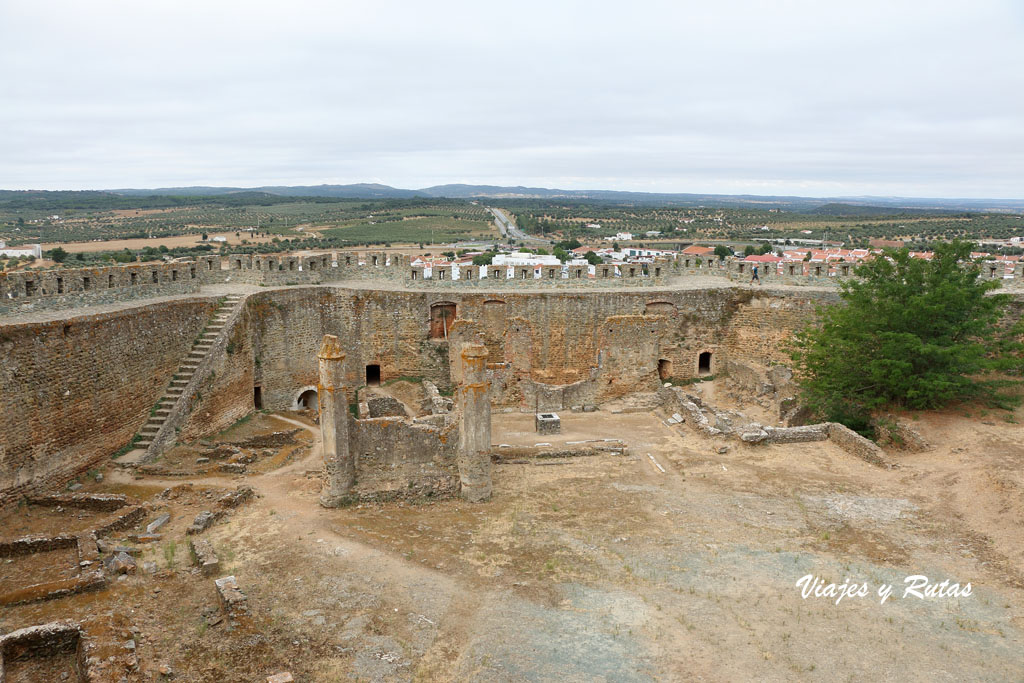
x=508, y=229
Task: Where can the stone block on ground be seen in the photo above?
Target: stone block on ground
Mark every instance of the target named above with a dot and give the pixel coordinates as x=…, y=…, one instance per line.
x=753, y=434
x=232, y=599
x=201, y=523
x=205, y=557
x=385, y=406
x=548, y=423
x=283, y=677
x=120, y=563
x=158, y=522
x=235, y=498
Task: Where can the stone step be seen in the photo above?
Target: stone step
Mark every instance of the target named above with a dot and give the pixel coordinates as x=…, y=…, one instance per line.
x=162, y=412
x=149, y=431
x=179, y=383
x=144, y=443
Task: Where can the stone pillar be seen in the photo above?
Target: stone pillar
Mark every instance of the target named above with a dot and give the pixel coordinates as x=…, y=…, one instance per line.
x=339, y=467
x=474, y=455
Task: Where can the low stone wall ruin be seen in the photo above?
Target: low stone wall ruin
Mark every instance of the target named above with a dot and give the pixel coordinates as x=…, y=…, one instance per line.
x=396, y=458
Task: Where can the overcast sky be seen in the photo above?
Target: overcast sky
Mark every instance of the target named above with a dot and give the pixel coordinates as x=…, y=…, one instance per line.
x=766, y=97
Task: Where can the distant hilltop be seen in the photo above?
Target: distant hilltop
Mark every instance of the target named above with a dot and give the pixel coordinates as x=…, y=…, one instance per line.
x=835, y=205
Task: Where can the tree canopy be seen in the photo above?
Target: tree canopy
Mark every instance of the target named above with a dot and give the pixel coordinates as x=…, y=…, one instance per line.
x=908, y=332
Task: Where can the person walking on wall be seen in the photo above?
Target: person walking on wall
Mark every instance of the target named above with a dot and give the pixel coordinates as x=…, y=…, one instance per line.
x=754, y=278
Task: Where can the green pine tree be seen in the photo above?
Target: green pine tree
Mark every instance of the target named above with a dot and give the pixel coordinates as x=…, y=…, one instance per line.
x=908, y=333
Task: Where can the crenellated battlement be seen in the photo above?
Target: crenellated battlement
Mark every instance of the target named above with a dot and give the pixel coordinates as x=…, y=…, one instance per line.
x=73, y=287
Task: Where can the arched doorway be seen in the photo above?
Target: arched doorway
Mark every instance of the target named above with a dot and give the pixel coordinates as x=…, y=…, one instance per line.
x=308, y=400
x=704, y=363
x=442, y=315
x=664, y=369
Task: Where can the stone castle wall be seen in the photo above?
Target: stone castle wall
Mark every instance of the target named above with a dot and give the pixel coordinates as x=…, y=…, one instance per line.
x=75, y=390
x=75, y=287
x=576, y=347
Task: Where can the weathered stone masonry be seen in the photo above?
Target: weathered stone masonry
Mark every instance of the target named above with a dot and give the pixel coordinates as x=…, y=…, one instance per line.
x=567, y=347
x=73, y=391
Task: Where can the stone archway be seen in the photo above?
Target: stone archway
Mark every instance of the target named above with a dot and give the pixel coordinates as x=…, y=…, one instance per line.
x=307, y=399
x=704, y=363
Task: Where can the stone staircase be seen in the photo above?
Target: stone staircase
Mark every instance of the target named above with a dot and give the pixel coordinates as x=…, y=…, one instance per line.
x=185, y=372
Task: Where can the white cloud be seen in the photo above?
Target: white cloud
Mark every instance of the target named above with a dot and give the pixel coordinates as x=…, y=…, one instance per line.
x=921, y=98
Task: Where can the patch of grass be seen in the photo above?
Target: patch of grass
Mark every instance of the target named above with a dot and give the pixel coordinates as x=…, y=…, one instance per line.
x=691, y=380
x=169, y=550
x=127, y=447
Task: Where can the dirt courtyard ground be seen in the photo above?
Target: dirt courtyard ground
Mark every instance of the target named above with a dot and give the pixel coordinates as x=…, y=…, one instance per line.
x=602, y=568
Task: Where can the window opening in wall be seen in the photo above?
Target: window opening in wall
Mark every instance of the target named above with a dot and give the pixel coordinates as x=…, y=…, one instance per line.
x=308, y=400
x=86, y=282
x=60, y=285
x=414, y=274
x=579, y=273
x=174, y=276
x=704, y=363
x=156, y=277
x=657, y=272
x=792, y=270
x=134, y=278
x=664, y=369
x=257, y=397
x=374, y=260
x=632, y=272
x=348, y=260
x=373, y=375
x=192, y=272
x=209, y=265
x=817, y=270
x=605, y=272
x=110, y=281
x=238, y=264
x=441, y=318
x=30, y=287
x=291, y=265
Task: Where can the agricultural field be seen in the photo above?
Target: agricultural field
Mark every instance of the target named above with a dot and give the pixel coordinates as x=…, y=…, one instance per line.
x=100, y=226
x=108, y=224
x=852, y=225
